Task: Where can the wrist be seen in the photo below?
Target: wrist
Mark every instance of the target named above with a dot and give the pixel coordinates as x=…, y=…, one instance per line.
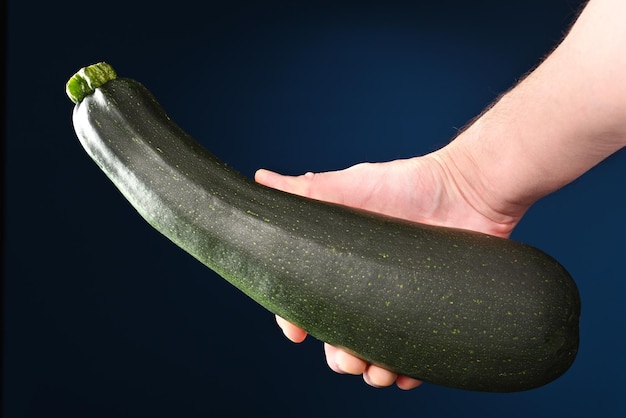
x=469, y=175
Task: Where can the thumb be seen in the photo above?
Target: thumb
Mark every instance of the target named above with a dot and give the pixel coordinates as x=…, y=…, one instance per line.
x=292, y=184
x=328, y=186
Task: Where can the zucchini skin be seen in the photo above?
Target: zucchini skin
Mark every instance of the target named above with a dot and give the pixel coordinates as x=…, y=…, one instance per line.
x=447, y=306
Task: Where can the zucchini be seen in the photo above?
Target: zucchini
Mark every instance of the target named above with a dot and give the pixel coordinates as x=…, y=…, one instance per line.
x=448, y=306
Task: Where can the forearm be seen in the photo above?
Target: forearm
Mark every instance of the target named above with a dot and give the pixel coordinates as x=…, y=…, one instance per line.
x=564, y=118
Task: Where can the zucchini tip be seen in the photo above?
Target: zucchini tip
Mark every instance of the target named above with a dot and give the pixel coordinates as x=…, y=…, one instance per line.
x=88, y=79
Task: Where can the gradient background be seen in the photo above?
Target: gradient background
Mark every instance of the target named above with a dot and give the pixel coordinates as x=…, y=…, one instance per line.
x=103, y=317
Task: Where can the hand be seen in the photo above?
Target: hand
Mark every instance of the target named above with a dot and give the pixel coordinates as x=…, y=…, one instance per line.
x=421, y=189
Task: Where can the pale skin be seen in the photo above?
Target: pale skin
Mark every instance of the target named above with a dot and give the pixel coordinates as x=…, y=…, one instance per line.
x=561, y=120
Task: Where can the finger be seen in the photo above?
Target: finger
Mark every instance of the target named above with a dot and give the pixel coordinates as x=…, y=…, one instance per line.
x=292, y=332
x=329, y=351
x=293, y=184
x=378, y=377
x=341, y=362
x=331, y=186
x=407, y=383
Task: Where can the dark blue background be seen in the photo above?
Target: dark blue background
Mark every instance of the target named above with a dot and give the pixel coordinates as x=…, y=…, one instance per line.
x=103, y=317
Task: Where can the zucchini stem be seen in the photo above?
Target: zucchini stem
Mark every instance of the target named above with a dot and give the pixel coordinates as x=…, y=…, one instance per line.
x=88, y=79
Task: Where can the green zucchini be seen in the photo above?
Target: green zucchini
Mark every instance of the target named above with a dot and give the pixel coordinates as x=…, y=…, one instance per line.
x=448, y=306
